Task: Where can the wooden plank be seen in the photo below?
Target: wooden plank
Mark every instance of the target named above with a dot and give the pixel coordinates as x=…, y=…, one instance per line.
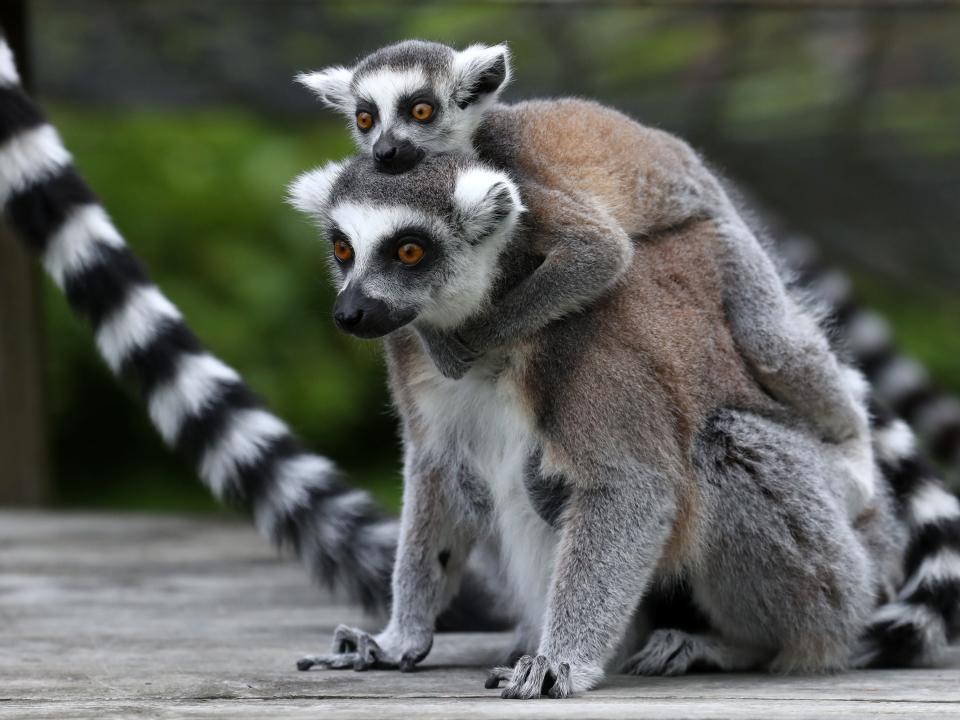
x=23, y=475
x=150, y=616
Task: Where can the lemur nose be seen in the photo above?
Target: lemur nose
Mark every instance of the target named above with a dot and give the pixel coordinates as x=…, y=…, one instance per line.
x=387, y=153
x=348, y=319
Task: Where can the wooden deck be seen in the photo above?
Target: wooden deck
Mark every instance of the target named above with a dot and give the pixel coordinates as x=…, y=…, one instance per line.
x=169, y=617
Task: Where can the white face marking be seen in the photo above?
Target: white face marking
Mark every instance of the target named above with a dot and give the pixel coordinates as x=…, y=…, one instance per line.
x=468, y=286
x=385, y=88
x=366, y=226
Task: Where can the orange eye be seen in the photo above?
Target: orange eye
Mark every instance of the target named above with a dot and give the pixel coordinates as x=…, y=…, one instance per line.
x=364, y=120
x=410, y=253
x=342, y=251
x=422, y=111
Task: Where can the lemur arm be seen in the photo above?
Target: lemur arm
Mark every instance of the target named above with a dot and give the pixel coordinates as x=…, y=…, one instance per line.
x=431, y=556
x=585, y=252
x=791, y=356
x=614, y=533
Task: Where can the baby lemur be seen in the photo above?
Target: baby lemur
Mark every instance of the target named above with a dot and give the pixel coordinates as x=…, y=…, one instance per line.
x=610, y=451
x=596, y=183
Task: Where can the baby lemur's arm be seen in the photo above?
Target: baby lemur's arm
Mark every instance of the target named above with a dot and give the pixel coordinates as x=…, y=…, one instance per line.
x=585, y=251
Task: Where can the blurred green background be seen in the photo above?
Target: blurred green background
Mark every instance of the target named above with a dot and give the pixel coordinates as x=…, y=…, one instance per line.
x=842, y=122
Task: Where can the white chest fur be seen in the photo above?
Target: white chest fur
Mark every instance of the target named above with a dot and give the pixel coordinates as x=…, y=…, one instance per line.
x=481, y=420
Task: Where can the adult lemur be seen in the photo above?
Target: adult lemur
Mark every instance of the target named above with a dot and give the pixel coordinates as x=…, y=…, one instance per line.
x=614, y=450
x=246, y=455
x=600, y=179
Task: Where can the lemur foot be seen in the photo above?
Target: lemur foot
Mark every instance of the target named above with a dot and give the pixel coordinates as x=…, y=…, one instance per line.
x=675, y=652
x=667, y=652
x=359, y=650
x=532, y=678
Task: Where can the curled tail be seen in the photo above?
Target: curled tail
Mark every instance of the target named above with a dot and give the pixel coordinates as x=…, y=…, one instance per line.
x=200, y=406
x=924, y=617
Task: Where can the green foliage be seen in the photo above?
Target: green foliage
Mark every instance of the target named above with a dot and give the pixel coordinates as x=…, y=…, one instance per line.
x=199, y=197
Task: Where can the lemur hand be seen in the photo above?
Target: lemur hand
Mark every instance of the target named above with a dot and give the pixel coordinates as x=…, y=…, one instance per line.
x=448, y=351
x=359, y=650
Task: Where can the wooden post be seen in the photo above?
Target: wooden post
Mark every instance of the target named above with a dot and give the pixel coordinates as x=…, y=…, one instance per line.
x=23, y=471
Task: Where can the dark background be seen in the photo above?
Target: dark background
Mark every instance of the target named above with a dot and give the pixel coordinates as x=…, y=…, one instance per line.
x=843, y=121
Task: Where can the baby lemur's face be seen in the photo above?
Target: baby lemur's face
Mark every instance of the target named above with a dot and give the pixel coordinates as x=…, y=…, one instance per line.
x=419, y=247
x=414, y=99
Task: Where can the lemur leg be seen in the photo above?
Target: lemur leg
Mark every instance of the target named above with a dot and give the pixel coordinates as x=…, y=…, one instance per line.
x=585, y=252
x=782, y=568
x=675, y=652
x=435, y=540
x=791, y=357
x=612, y=536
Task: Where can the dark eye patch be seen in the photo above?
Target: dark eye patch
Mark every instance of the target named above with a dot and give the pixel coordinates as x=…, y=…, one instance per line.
x=335, y=235
x=431, y=250
x=367, y=106
x=424, y=95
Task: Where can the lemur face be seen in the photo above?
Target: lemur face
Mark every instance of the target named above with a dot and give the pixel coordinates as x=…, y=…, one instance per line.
x=414, y=99
x=422, y=247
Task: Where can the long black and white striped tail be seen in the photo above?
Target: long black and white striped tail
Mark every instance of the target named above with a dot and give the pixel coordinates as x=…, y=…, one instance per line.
x=916, y=626
x=245, y=455
x=900, y=383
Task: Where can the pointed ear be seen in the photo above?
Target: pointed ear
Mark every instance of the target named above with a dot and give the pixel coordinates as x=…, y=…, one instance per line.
x=332, y=86
x=481, y=73
x=310, y=192
x=486, y=201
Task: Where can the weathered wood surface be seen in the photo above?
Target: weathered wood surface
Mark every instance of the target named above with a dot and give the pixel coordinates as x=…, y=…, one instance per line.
x=168, y=617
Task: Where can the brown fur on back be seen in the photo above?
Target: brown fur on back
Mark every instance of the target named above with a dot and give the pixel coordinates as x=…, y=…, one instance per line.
x=651, y=360
x=637, y=174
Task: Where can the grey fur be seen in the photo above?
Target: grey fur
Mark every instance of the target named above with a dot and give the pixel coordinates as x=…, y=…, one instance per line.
x=566, y=151
x=689, y=468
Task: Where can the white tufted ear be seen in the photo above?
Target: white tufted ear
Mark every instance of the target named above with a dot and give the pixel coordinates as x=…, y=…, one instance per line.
x=481, y=73
x=487, y=201
x=310, y=191
x=332, y=86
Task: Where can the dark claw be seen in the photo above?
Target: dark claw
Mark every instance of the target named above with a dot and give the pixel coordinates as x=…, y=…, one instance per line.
x=407, y=663
x=492, y=681
x=344, y=639
x=304, y=664
x=562, y=687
